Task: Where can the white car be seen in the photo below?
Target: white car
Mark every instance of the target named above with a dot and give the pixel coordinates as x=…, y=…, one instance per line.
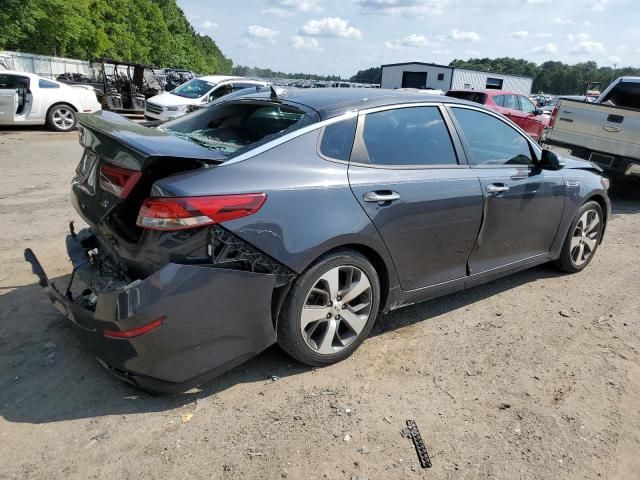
x=28, y=99
x=196, y=92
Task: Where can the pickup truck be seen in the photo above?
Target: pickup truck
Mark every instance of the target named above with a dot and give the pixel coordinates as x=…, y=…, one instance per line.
x=606, y=132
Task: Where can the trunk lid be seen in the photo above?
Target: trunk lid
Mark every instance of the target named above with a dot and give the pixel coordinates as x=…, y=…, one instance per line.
x=117, y=149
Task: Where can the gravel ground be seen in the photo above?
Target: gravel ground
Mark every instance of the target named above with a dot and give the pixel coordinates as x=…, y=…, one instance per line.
x=501, y=383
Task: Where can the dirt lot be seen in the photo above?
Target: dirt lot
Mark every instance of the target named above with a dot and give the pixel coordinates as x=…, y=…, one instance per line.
x=501, y=384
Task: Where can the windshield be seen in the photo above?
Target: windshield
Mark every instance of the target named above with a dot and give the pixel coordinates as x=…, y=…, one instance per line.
x=194, y=88
x=234, y=127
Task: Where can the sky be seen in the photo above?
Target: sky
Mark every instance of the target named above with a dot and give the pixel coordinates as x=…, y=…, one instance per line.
x=344, y=36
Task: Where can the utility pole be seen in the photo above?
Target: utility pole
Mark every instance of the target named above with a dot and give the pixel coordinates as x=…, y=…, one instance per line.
x=613, y=74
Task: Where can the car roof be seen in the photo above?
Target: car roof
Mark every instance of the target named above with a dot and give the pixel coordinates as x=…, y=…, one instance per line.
x=16, y=72
x=331, y=102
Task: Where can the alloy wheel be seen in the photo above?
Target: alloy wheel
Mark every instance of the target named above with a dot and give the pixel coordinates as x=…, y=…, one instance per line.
x=336, y=309
x=63, y=118
x=585, y=237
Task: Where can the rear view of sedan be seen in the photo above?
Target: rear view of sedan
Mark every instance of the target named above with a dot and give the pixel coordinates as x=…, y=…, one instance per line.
x=297, y=217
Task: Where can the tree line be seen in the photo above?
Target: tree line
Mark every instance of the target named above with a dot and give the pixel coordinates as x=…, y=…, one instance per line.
x=243, y=71
x=550, y=77
x=154, y=32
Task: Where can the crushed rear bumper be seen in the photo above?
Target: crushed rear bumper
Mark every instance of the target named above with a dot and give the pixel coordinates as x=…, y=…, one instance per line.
x=213, y=319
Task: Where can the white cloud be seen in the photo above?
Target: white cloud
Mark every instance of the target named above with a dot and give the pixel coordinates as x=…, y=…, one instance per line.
x=247, y=42
x=208, y=25
x=473, y=53
x=417, y=8
x=615, y=59
x=299, y=42
x=412, y=40
x=544, y=35
x=288, y=8
x=538, y=2
x=258, y=31
x=519, y=34
x=563, y=21
x=580, y=37
x=598, y=5
x=442, y=51
x=586, y=23
x=330, y=27
x=546, y=48
x=588, y=47
x=461, y=36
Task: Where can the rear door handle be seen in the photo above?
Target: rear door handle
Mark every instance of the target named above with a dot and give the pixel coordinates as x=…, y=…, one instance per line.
x=497, y=188
x=381, y=197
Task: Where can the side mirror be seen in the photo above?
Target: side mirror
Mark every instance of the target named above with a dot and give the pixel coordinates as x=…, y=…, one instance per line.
x=538, y=111
x=551, y=160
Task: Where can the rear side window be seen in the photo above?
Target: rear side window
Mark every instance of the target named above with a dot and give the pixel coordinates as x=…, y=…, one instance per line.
x=47, y=84
x=511, y=101
x=408, y=136
x=477, y=97
x=492, y=142
x=236, y=126
x=499, y=100
x=337, y=139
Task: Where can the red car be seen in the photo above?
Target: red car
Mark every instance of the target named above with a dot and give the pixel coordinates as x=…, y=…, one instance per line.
x=518, y=108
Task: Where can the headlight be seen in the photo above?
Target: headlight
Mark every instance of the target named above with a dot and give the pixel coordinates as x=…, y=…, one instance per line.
x=177, y=108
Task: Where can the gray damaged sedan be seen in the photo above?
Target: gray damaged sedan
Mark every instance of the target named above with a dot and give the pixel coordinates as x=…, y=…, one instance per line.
x=297, y=217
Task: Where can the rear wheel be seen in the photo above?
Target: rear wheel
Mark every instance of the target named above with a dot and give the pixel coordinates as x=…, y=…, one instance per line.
x=330, y=310
x=61, y=118
x=583, y=238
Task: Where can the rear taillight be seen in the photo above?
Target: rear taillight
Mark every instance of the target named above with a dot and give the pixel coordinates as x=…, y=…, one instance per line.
x=554, y=114
x=133, y=332
x=117, y=180
x=179, y=213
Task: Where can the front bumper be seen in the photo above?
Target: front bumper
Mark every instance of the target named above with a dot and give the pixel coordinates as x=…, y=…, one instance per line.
x=213, y=319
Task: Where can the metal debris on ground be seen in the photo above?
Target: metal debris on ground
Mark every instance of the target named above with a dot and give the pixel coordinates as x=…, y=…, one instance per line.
x=411, y=431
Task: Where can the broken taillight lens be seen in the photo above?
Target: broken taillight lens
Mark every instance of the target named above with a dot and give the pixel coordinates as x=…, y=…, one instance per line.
x=179, y=213
x=117, y=180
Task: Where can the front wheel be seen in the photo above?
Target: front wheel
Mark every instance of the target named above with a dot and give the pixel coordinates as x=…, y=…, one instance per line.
x=61, y=118
x=330, y=310
x=583, y=238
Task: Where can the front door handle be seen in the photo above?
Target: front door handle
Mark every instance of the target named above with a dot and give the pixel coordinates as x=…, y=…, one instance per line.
x=381, y=197
x=497, y=188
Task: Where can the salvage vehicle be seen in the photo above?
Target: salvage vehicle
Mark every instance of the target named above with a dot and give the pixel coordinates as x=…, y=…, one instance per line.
x=606, y=132
x=194, y=93
x=296, y=217
x=28, y=99
x=516, y=107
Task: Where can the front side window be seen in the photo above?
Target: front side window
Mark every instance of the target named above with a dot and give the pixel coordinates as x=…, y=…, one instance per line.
x=408, y=136
x=13, y=82
x=337, y=139
x=195, y=88
x=47, y=84
x=499, y=100
x=492, y=141
x=526, y=105
x=220, y=92
x=511, y=102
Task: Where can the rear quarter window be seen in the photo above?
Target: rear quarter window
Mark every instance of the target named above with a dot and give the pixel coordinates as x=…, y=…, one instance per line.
x=337, y=139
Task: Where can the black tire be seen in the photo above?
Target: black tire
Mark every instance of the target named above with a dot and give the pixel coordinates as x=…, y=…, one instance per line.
x=290, y=335
x=61, y=118
x=570, y=261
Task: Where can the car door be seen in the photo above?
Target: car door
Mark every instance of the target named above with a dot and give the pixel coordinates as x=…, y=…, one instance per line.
x=523, y=204
x=531, y=122
x=425, y=202
x=9, y=85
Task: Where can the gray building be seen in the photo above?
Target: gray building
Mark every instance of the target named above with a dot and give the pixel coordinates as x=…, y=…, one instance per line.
x=443, y=77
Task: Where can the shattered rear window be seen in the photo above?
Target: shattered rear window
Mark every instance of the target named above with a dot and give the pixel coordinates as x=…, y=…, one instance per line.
x=234, y=127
